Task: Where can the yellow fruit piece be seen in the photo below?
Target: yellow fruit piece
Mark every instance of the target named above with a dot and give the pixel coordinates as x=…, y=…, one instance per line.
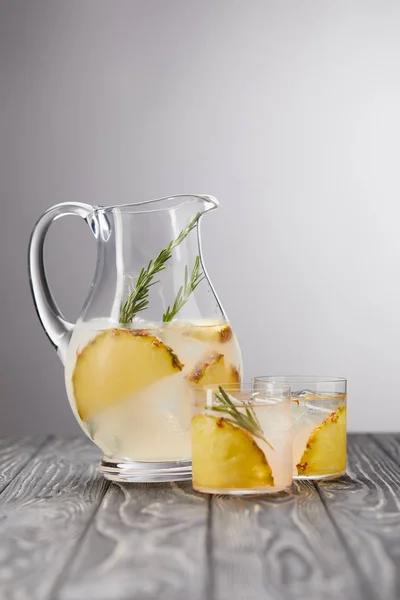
x=211, y=333
x=213, y=370
x=117, y=363
x=225, y=456
x=325, y=453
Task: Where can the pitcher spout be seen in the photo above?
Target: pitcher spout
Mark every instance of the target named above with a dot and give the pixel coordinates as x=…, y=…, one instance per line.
x=210, y=203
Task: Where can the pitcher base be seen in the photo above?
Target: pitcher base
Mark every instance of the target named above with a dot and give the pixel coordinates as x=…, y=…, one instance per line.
x=145, y=472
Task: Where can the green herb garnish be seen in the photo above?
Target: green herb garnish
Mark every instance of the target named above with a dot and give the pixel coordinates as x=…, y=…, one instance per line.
x=138, y=299
x=247, y=420
x=185, y=290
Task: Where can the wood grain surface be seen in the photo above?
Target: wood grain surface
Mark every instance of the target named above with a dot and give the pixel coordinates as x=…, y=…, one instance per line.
x=279, y=547
x=44, y=513
x=389, y=444
x=365, y=507
x=14, y=455
x=67, y=534
x=147, y=541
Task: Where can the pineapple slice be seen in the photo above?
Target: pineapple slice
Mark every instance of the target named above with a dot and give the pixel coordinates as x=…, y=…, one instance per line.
x=225, y=456
x=213, y=371
x=325, y=452
x=211, y=333
x=116, y=363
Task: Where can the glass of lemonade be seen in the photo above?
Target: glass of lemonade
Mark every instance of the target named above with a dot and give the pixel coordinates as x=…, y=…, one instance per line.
x=242, y=439
x=319, y=424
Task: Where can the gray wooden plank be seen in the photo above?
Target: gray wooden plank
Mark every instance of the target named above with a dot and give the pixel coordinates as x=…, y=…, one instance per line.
x=146, y=541
x=44, y=512
x=390, y=442
x=278, y=548
x=365, y=506
x=15, y=452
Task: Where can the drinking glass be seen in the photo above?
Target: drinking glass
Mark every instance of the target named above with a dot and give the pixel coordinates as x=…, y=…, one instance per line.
x=241, y=439
x=319, y=424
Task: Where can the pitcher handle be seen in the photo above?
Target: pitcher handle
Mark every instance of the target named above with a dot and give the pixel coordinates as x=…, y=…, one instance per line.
x=58, y=330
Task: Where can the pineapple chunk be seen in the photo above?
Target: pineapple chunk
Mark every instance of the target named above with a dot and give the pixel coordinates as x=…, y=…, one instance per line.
x=213, y=371
x=119, y=362
x=211, y=333
x=325, y=452
x=225, y=456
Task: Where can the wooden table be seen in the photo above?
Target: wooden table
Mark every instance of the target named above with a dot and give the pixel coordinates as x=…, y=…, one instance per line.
x=68, y=534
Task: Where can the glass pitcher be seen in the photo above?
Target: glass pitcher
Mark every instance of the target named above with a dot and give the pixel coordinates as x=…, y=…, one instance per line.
x=152, y=330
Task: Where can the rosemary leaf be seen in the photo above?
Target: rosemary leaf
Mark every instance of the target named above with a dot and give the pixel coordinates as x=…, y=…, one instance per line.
x=184, y=291
x=248, y=421
x=138, y=299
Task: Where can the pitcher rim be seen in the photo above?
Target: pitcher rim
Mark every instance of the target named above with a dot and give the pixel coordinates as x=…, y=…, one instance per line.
x=210, y=200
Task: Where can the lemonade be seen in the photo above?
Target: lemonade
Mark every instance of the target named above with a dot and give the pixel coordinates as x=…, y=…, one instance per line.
x=319, y=434
x=319, y=424
x=241, y=440
x=130, y=386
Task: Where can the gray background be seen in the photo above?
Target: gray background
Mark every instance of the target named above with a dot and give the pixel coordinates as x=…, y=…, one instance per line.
x=288, y=112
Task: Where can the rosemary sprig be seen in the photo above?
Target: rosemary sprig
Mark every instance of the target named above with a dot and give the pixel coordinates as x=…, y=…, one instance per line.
x=248, y=421
x=185, y=290
x=138, y=299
